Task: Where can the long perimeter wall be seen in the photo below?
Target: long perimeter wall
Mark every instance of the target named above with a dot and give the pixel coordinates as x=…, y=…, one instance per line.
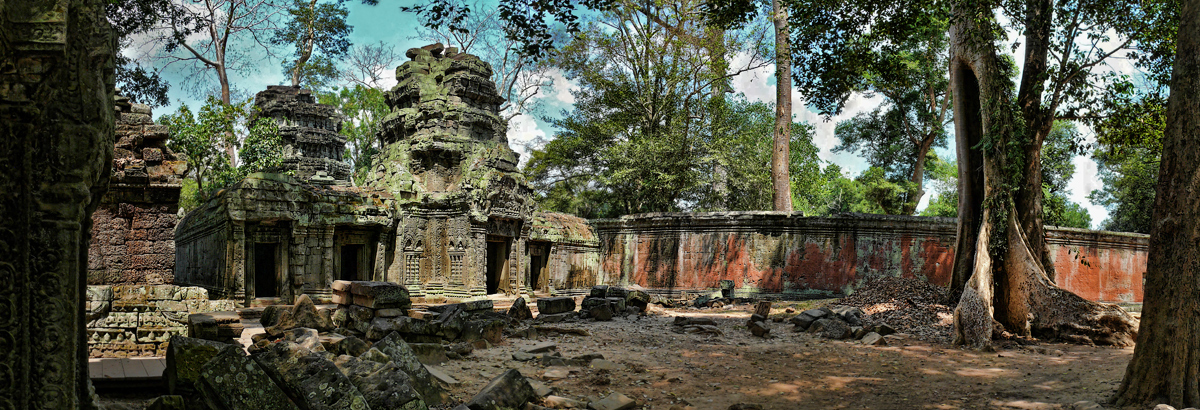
x=788, y=255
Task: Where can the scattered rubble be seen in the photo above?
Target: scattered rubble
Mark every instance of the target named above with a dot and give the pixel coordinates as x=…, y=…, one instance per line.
x=911, y=306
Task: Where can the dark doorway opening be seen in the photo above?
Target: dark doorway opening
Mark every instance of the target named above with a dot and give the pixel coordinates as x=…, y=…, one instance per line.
x=266, y=284
x=497, y=263
x=539, y=258
x=350, y=261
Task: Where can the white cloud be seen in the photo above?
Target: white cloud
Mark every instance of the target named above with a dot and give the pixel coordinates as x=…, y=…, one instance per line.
x=562, y=87
x=1085, y=180
x=523, y=135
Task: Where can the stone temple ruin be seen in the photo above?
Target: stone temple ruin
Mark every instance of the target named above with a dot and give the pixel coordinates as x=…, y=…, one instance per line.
x=445, y=211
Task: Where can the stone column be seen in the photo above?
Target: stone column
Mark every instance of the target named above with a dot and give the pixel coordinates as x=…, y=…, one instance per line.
x=237, y=263
x=56, y=130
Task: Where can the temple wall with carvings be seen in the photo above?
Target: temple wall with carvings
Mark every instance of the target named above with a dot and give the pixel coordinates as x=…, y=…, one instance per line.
x=774, y=254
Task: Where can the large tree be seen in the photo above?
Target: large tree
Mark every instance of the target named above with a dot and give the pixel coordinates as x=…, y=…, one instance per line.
x=1002, y=272
x=1166, y=361
x=320, y=37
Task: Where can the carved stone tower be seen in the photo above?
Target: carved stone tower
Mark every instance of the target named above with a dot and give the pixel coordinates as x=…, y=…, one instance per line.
x=312, y=145
x=463, y=210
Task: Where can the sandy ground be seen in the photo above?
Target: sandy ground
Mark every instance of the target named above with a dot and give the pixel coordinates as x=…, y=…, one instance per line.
x=789, y=370
x=666, y=370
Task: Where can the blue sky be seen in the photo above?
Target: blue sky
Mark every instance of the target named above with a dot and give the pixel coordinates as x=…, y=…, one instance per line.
x=386, y=23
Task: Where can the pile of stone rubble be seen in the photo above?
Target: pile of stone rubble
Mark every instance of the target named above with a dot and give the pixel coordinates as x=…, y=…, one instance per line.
x=911, y=306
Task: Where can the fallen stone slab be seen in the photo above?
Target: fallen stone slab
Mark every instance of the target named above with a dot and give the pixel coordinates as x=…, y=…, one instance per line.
x=551, y=306
x=305, y=337
x=481, y=305
x=759, y=328
x=400, y=353
x=602, y=313
x=349, y=345
x=802, y=321
x=615, y=401
x=563, y=330
x=303, y=314
x=186, y=356
x=233, y=381
x=384, y=385
x=559, y=402
x=309, y=378
x=555, y=318
x=380, y=295
x=555, y=373
x=831, y=329
x=430, y=353
x=874, y=339
x=509, y=390
x=541, y=347
x=441, y=376
x=849, y=314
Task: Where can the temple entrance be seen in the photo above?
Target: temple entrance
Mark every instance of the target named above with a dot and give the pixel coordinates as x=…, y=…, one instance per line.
x=351, y=254
x=497, y=262
x=539, y=258
x=266, y=283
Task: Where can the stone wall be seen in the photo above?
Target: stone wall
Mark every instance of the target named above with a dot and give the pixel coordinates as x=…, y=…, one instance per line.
x=138, y=320
x=133, y=239
x=569, y=254
x=787, y=255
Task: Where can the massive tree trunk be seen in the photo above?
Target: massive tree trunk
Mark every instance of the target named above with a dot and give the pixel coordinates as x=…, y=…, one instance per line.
x=1038, y=120
x=1166, y=362
x=780, y=175
x=1001, y=278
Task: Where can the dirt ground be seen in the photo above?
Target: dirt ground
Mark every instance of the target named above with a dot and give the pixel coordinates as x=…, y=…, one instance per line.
x=789, y=370
x=665, y=370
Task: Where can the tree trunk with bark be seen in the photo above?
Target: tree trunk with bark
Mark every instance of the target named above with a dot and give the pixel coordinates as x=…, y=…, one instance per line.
x=1003, y=283
x=1166, y=362
x=780, y=175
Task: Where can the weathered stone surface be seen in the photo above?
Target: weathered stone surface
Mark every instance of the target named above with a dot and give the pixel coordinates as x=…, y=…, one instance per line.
x=383, y=385
x=559, y=402
x=305, y=338
x=272, y=314
x=186, y=356
x=874, y=339
x=441, y=376
x=542, y=347
x=602, y=313
x=555, y=318
x=850, y=315
x=550, y=306
x=615, y=401
x=519, y=310
x=233, y=381
x=166, y=403
x=429, y=353
x=399, y=352
x=349, y=345
x=309, y=378
x=380, y=295
x=509, y=390
x=303, y=314
x=802, y=321
x=830, y=329
x=759, y=328
x=481, y=305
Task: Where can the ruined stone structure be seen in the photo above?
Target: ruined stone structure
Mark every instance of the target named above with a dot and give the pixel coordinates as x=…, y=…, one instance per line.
x=133, y=240
x=56, y=139
x=312, y=146
x=787, y=255
x=445, y=212
x=138, y=320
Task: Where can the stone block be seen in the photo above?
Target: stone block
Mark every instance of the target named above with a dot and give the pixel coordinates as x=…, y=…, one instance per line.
x=599, y=291
x=186, y=356
x=550, y=306
x=491, y=330
x=399, y=352
x=510, y=390
x=233, y=381
x=519, y=310
x=341, y=285
x=384, y=385
x=152, y=154
x=430, y=353
x=342, y=297
x=615, y=401
x=309, y=378
x=380, y=294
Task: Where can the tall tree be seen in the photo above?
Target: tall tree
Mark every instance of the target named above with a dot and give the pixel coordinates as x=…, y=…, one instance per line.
x=899, y=135
x=781, y=182
x=215, y=38
x=129, y=19
x=1006, y=280
x=1165, y=361
x=320, y=37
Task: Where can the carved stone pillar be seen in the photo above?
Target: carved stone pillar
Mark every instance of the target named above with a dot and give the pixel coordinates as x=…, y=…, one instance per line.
x=56, y=138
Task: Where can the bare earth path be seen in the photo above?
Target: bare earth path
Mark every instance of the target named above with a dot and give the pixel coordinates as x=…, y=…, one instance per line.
x=663, y=369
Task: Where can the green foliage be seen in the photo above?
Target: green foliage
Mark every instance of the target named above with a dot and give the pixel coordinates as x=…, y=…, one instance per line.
x=944, y=181
x=1061, y=145
x=129, y=19
x=320, y=36
x=200, y=136
x=1129, y=188
x=364, y=108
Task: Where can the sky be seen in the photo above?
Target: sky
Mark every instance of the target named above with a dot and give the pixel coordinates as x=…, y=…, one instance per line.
x=386, y=23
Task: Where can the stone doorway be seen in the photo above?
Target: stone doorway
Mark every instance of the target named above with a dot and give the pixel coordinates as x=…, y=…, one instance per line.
x=539, y=262
x=266, y=270
x=351, y=262
x=497, y=262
